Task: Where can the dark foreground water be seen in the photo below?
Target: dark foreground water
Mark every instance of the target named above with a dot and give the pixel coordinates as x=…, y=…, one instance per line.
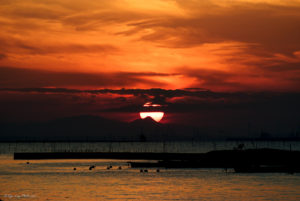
x=56, y=180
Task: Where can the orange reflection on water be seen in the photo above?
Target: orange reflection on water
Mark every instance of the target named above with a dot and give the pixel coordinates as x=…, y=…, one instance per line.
x=56, y=180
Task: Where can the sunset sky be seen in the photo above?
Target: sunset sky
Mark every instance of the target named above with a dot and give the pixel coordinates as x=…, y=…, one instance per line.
x=217, y=45
x=226, y=47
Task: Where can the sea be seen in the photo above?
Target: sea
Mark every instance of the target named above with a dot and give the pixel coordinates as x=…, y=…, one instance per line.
x=58, y=180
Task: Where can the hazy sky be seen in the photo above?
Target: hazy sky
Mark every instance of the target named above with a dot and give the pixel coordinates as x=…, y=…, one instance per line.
x=237, y=49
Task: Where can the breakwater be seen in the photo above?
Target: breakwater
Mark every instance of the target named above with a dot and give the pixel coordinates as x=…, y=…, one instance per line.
x=249, y=160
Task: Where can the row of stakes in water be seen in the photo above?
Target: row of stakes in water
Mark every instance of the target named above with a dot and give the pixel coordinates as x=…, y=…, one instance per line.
x=93, y=166
x=110, y=167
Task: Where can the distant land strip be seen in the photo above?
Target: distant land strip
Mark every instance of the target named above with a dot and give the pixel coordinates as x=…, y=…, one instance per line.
x=106, y=155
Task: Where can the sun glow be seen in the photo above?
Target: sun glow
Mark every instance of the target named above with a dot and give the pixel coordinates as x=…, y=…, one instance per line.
x=156, y=116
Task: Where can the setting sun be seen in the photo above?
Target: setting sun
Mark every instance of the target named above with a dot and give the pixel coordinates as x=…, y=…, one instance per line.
x=151, y=110
x=156, y=116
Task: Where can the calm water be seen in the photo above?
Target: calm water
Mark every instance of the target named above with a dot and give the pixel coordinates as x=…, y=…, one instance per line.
x=56, y=180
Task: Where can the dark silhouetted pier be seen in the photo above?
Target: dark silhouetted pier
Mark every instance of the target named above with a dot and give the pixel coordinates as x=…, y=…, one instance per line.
x=250, y=160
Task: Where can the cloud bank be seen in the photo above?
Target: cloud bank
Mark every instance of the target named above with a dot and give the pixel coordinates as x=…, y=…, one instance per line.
x=219, y=45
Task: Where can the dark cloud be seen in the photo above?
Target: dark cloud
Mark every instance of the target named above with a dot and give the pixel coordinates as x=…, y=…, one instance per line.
x=35, y=12
x=278, y=67
x=209, y=77
x=69, y=48
x=201, y=94
x=17, y=77
x=259, y=76
x=20, y=46
x=215, y=79
x=284, y=71
x=93, y=20
x=3, y=56
x=275, y=28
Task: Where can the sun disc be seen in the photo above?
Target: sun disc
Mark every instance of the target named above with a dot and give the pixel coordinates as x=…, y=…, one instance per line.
x=156, y=116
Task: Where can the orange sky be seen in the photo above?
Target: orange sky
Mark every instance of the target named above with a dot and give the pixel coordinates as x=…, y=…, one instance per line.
x=219, y=45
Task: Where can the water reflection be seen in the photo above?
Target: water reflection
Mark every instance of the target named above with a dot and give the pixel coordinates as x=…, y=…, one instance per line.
x=56, y=180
